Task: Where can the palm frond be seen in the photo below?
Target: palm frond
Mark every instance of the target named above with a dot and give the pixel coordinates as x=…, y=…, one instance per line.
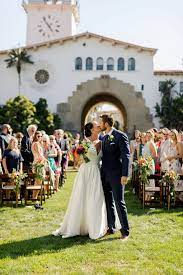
x=17, y=57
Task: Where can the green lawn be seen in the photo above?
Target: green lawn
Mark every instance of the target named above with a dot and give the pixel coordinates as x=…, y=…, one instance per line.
x=155, y=245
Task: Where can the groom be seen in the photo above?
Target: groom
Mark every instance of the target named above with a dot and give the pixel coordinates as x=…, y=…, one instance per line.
x=114, y=172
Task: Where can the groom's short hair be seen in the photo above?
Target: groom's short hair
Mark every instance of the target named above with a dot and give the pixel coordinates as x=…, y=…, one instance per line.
x=107, y=119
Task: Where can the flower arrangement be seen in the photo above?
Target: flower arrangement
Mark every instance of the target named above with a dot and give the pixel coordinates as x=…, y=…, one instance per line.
x=17, y=177
x=169, y=178
x=82, y=150
x=144, y=168
x=39, y=169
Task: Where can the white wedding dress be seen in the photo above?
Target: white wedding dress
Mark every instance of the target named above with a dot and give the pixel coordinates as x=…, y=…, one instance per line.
x=86, y=213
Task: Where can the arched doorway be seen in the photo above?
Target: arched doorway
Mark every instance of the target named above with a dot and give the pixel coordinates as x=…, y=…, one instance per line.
x=123, y=95
x=104, y=103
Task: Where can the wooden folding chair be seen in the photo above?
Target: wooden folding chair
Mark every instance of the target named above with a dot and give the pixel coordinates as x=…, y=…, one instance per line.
x=7, y=184
x=30, y=186
x=156, y=199
x=170, y=199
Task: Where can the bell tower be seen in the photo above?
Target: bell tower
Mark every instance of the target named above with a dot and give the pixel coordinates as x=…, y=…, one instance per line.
x=50, y=19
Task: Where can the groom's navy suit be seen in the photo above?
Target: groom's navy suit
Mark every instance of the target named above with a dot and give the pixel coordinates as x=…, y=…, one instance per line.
x=115, y=164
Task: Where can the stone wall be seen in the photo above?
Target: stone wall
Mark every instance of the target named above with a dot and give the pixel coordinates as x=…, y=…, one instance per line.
x=130, y=102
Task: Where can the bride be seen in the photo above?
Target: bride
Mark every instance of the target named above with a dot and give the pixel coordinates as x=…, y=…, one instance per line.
x=86, y=213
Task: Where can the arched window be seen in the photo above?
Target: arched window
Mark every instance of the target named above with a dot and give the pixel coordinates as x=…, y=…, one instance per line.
x=89, y=64
x=110, y=64
x=100, y=64
x=121, y=64
x=131, y=64
x=78, y=64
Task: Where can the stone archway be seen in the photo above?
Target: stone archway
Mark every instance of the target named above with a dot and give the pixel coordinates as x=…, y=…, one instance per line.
x=123, y=95
x=98, y=98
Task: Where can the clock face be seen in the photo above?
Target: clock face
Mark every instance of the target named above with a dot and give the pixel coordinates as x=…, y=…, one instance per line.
x=49, y=26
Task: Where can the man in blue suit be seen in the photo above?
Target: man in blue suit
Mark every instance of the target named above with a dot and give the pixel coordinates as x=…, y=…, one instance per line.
x=114, y=172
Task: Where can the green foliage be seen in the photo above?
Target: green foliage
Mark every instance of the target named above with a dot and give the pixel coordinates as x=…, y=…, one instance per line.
x=17, y=57
x=56, y=121
x=177, y=109
x=46, y=120
x=21, y=112
x=170, y=110
x=69, y=134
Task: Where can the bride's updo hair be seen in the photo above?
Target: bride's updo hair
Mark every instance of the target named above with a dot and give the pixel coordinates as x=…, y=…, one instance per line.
x=87, y=129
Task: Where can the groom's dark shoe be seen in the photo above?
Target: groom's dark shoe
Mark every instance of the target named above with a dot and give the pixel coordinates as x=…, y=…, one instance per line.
x=110, y=231
x=124, y=237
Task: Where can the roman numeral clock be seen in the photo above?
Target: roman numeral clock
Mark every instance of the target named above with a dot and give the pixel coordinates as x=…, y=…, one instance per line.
x=49, y=26
x=49, y=20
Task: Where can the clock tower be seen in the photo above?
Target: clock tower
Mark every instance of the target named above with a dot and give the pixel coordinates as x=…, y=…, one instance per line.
x=50, y=19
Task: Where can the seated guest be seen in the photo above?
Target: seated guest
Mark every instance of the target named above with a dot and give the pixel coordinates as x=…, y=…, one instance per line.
x=26, y=144
x=12, y=159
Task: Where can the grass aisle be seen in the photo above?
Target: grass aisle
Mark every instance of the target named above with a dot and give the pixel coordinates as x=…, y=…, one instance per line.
x=26, y=246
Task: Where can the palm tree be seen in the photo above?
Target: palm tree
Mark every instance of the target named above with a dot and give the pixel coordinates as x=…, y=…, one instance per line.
x=16, y=58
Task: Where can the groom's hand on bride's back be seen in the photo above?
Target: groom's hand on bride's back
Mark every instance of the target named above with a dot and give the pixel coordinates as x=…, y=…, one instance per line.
x=124, y=180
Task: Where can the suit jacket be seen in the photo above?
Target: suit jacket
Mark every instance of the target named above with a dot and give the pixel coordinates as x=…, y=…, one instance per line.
x=63, y=145
x=4, y=140
x=116, y=154
x=26, y=150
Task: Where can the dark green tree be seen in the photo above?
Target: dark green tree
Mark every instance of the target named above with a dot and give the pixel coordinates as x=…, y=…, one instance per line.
x=170, y=110
x=46, y=120
x=19, y=113
x=17, y=57
x=164, y=110
x=177, y=111
x=56, y=121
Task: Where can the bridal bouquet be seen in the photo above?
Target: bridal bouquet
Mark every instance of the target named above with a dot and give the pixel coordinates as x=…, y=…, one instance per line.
x=82, y=150
x=144, y=167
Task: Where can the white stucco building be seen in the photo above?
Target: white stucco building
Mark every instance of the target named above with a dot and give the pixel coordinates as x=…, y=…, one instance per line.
x=75, y=71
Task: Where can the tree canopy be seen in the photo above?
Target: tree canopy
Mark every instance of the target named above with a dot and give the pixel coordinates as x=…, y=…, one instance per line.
x=170, y=109
x=21, y=112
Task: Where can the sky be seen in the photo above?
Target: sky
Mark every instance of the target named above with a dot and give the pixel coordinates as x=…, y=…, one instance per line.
x=151, y=23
